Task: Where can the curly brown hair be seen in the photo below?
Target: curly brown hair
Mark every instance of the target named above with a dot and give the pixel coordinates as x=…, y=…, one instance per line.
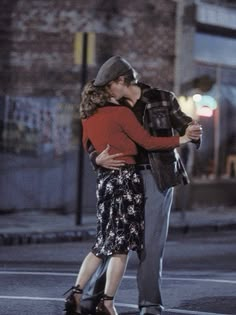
x=93, y=97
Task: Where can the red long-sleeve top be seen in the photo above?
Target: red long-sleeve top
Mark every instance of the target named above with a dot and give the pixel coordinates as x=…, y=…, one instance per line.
x=117, y=126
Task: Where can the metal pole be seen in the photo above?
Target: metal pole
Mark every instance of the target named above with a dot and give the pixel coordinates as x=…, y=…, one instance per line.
x=178, y=45
x=217, y=125
x=81, y=151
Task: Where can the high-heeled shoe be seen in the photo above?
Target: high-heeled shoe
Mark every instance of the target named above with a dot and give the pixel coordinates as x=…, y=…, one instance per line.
x=101, y=308
x=70, y=302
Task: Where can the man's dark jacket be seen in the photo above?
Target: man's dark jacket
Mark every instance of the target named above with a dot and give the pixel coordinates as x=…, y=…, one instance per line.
x=163, y=117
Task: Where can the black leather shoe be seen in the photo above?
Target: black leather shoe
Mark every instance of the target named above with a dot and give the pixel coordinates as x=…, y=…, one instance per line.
x=152, y=310
x=70, y=303
x=101, y=309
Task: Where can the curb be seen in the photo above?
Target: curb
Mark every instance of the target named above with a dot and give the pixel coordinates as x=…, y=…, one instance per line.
x=8, y=239
x=11, y=239
x=206, y=228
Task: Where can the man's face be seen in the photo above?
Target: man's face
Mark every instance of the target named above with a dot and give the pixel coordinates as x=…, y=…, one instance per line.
x=116, y=89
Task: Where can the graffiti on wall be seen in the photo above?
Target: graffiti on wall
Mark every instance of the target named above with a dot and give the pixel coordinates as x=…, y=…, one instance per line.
x=36, y=125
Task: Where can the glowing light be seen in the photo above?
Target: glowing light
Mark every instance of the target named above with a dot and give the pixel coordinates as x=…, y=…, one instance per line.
x=205, y=111
x=197, y=97
x=204, y=100
x=188, y=106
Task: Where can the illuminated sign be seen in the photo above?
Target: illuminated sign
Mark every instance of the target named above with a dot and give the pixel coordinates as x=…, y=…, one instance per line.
x=204, y=100
x=205, y=104
x=205, y=111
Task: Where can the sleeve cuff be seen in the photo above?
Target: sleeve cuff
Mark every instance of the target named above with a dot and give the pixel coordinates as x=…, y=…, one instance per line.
x=92, y=156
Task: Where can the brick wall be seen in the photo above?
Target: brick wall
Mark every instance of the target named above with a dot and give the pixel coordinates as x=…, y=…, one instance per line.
x=37, y=40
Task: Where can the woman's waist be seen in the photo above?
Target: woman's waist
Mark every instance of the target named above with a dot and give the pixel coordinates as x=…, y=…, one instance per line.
x=129, y=165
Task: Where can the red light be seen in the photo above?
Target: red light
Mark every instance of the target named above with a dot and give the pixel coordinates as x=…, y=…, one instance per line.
x=204, y=111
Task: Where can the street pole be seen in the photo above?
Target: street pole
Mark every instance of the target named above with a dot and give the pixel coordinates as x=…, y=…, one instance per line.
x=217, y=124
x=80, y=180
x=178, y=45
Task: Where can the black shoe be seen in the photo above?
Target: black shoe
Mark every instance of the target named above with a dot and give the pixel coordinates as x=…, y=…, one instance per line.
x=70, y=302
x=89, y=303
x=101, y=309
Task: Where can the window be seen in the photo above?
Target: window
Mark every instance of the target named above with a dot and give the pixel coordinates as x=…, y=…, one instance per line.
x=215, y=49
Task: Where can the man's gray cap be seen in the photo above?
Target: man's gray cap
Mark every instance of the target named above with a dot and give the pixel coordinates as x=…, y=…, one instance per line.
x=111, y=70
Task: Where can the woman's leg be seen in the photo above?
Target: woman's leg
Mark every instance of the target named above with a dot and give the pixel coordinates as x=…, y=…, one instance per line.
x=87, y=269
x=115, y=272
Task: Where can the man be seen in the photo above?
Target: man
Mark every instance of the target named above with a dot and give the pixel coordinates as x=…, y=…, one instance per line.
x=159, y=112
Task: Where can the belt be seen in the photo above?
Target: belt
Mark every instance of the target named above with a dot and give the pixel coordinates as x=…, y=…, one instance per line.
x=142, y=167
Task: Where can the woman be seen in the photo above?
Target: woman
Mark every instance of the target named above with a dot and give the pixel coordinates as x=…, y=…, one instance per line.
x=120, y=198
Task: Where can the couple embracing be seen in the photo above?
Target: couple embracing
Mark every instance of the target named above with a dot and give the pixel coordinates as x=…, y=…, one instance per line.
x=129, y=133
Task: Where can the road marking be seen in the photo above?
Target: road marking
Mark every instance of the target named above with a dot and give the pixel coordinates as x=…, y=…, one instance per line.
x=38, y=273
x=117, y=304
x=70, y=274
x=127, y=305
x=10, y=297
x=190, y=279
x=200, y=280
x=178, y=311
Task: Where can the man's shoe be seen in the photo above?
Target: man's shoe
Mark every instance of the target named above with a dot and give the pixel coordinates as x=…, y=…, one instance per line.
x=152, y=310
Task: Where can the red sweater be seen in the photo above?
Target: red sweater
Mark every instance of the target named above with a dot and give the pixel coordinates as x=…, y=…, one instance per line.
x=118, y=127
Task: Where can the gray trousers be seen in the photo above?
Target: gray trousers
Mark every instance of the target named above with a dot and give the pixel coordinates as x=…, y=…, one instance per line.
x=157, y=212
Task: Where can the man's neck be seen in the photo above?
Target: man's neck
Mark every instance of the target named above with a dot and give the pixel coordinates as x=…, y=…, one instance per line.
x=133, y=94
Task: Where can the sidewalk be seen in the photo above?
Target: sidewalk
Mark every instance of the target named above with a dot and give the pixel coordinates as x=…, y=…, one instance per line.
x=30, y=227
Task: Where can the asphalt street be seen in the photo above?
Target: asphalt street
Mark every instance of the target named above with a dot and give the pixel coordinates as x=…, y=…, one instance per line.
x=199, y=276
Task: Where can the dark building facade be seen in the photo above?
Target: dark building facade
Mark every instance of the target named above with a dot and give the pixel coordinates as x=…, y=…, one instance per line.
x=42, y=72
x=38, y=39
x=41, y=76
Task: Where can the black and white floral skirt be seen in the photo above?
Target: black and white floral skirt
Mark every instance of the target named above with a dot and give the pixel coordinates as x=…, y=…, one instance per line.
x=120, y=211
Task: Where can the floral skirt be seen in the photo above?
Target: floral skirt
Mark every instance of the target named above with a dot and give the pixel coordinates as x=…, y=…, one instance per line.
x=120, y=211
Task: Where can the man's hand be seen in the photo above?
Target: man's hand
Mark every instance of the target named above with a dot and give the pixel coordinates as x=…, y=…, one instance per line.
x=194, y=131
x=106, y=160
